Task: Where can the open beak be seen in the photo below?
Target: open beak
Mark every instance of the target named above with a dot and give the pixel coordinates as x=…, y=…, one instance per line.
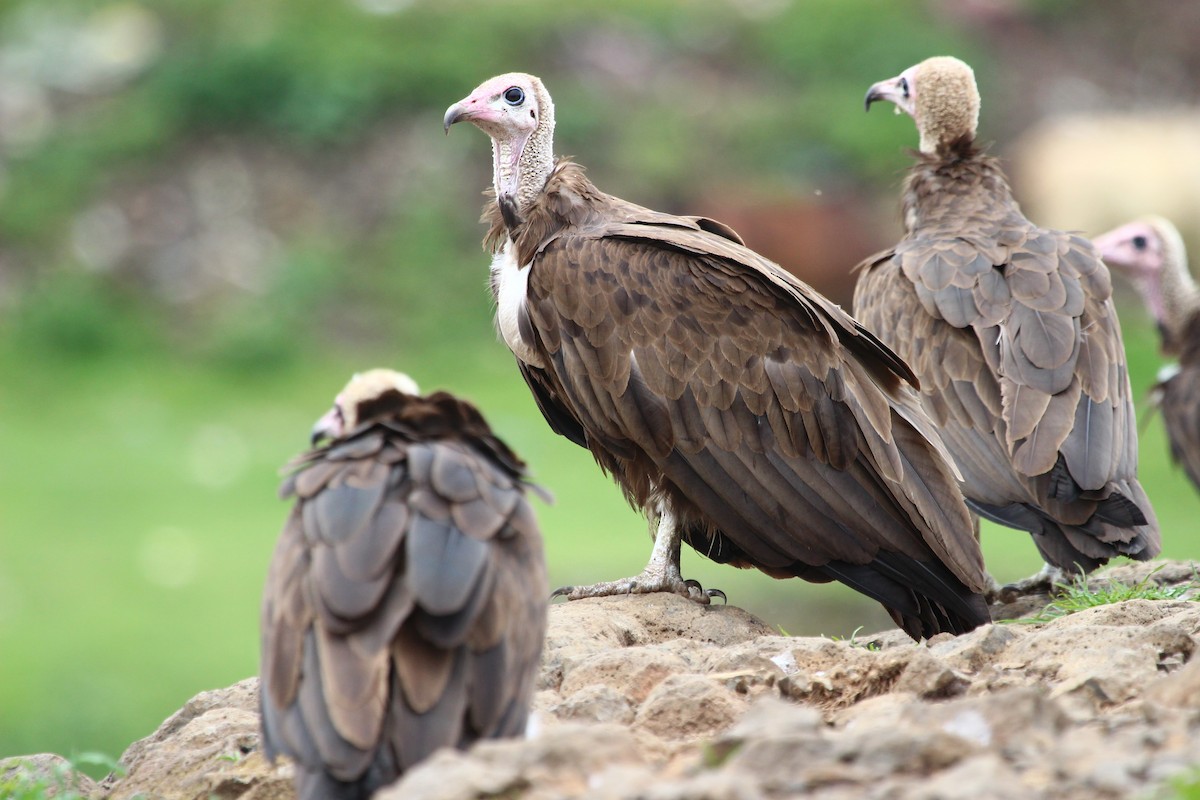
x=887, y=90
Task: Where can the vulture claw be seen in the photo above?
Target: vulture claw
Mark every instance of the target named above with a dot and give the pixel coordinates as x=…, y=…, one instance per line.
x=640, y=584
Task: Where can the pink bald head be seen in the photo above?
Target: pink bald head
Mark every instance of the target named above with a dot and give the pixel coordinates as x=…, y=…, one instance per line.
x=1150, y=252
x=1135, y=249
x=515, y=110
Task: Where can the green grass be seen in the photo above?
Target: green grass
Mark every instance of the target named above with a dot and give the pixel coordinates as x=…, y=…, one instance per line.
x=1079, y=595
x=1185, y=786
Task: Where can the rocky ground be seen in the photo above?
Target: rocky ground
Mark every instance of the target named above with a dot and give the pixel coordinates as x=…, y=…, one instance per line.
x=655, y=697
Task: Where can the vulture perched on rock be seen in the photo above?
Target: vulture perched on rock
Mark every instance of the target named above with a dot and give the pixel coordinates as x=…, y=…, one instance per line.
x=1012, y=330
x=1150, y=253
x=745, y=413
x=406, y=602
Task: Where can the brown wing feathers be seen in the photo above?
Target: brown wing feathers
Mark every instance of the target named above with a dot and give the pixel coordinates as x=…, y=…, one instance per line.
x=778, y=423
x=1012, y=330
x=402, y=611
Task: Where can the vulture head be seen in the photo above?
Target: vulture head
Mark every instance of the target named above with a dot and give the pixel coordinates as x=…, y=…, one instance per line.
x=515, y=110
x=367, y=395
x=941, y=97
x=1150, y=252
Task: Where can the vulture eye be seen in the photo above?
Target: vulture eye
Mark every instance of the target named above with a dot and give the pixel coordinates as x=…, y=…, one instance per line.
x=514, y=96
x=904, y=86
x=1139, y=243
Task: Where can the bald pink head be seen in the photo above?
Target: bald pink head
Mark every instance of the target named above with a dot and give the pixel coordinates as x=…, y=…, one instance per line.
x=515, y=110
x=1150, y=252
x=1135, y=249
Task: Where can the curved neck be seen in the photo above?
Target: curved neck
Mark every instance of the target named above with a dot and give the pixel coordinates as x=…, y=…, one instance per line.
x=1179, y=297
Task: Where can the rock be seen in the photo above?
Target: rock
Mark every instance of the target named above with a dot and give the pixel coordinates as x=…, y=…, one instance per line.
x=688, y=707
x=657, y=698
x=209, y=748
x=596, y=703
x=633, y=672
x=53, y=772
x=558, y=765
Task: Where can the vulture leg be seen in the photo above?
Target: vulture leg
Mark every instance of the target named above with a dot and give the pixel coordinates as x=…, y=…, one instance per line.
x=660, y=575
x=1041, y=582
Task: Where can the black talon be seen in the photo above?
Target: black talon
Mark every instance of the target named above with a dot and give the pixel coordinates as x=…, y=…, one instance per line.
x=562, y=591
x=711, y=593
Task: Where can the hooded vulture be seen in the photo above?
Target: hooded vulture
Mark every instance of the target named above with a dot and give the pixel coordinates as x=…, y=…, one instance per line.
x=1151, y=253
x=1012, y=330
x=405, y=604
x=751, y=417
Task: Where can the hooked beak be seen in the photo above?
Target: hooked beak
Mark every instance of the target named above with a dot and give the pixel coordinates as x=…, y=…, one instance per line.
x=327, y=427
x=1108, y=246
x=886, y=90
x=455, y=113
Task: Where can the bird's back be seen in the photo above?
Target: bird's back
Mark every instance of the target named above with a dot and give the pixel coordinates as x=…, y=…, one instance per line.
x=406, y=600
x=1013, y=332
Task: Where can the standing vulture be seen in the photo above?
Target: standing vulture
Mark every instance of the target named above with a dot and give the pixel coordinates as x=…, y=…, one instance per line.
x=1013, y=333
x=405, y=604
x=1151, y=253
x=753, y=418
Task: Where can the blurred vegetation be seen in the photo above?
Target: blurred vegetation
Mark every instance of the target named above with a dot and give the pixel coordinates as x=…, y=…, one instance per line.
x=157, y=377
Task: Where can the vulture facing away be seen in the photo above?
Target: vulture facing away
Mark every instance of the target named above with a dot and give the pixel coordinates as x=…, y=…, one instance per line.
x=405, y=605
x=1012, y=330
x=747, y=414
x=1150, y=252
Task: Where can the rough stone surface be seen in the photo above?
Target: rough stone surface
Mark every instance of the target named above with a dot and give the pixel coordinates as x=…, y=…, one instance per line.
x=657, y=698
x=56, y=774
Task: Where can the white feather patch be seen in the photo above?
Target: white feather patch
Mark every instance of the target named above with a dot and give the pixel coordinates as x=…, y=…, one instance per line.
x=1167, y=371
x=512, y=285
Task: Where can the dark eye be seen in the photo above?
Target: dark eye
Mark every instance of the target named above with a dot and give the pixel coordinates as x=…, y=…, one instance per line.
x=514, y=96
x=904, y=86
x=1139, y=243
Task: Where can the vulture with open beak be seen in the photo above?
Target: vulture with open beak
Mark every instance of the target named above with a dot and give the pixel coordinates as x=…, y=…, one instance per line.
x=406, y=602
x=1150, y=252
x=742, y=411
x=1012, y=330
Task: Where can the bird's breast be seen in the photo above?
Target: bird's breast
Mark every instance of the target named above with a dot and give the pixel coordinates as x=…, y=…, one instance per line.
x=511, y=284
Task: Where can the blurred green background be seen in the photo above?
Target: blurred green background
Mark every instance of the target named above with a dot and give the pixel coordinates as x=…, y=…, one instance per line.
x=212, y=212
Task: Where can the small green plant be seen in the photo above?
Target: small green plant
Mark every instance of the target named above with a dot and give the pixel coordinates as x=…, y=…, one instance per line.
x=853, y=641
x=1078, y=595
x=1184, y=786
x=19, y=780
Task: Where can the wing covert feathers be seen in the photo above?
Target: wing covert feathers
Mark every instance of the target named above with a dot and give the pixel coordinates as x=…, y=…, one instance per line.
x=406, y=601
x=1013, y=333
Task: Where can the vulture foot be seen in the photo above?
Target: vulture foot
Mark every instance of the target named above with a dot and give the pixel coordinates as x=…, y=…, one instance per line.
x=647, y=582
x=1042, y=582
x=660, y=575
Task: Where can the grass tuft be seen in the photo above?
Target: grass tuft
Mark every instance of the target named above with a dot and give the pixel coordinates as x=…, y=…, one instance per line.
x=854, y=641
x=1078, y=595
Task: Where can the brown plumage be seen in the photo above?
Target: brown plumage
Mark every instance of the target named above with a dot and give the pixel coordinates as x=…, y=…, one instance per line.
x=1151, y=253
x=755, y=419
x=1012, y=330
x=405, y=604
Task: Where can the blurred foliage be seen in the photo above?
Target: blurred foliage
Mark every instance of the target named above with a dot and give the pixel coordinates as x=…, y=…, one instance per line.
x=313, y=76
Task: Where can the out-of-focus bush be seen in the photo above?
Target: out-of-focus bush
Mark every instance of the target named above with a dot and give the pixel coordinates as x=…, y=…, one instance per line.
x=662, y=100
